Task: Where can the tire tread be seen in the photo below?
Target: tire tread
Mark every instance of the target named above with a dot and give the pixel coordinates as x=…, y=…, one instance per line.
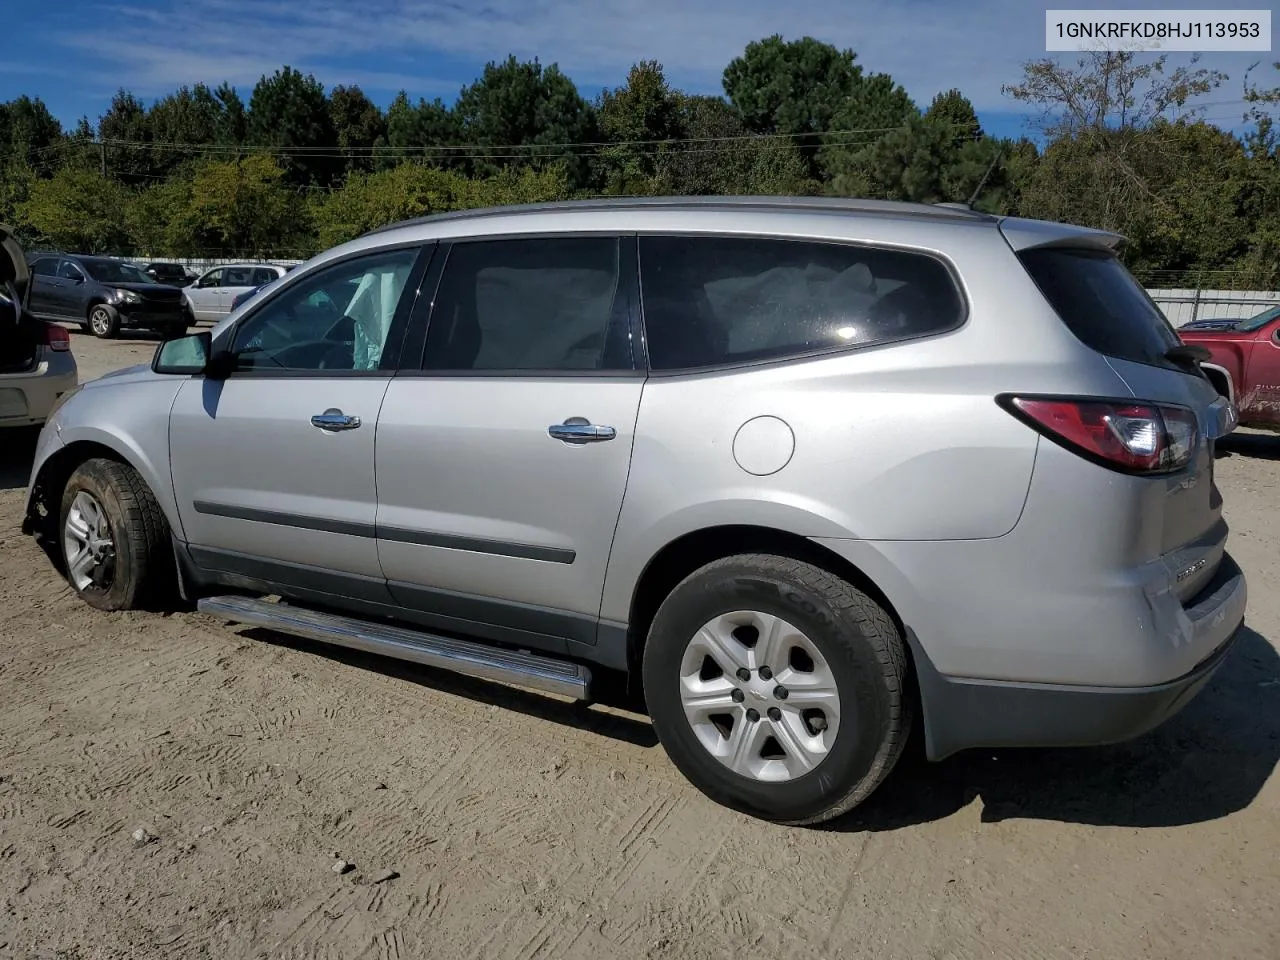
x=850, y=604
x=152, y=579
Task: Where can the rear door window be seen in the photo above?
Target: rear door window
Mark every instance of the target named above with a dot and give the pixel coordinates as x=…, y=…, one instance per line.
x=1102, y=304
x=556, y=304
x=712, y=301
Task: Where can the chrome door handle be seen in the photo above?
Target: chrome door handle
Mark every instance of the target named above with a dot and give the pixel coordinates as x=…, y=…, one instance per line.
x=334, y=419
x=580, y=430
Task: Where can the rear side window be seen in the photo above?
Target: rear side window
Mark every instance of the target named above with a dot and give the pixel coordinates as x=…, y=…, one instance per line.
x=710, y=301
x=1101, y=303
x=550, y=305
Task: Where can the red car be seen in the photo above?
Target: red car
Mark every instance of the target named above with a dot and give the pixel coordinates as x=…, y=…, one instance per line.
x=1244, y=363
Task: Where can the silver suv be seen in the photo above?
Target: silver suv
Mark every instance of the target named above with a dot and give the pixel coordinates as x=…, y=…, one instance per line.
x=805, y=469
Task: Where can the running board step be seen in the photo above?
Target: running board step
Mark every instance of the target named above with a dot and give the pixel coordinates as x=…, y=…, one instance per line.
x=529, y=670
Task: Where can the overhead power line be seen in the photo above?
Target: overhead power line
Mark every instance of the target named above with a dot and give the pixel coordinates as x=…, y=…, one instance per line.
x=469, y=149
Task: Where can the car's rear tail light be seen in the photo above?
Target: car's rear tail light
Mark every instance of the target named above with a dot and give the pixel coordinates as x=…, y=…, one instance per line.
x=56, y=337
x=1131, y=436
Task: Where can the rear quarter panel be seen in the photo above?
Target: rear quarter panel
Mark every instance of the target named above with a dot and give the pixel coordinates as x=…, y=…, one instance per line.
x=1251, y=361
x=1227, y=350
x=901, y=442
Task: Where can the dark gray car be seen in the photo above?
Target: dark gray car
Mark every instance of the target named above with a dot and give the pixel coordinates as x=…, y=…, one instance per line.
x=103, y=295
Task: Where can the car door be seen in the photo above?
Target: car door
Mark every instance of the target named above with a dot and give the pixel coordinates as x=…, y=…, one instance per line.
x=273, y=466
x=203, y=295
x=235, y=281
x=502, y=461
x=43, y=297
x=1262, y=376
x=73, y=291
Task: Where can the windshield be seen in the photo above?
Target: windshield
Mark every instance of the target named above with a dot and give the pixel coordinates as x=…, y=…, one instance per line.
x=1258, y=320
x=109, y=271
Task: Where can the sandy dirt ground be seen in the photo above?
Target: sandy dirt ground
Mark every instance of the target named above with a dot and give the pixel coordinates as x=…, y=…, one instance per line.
x=523, y=827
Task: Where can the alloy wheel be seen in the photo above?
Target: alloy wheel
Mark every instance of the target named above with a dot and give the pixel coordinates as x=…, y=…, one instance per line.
x=88, y=545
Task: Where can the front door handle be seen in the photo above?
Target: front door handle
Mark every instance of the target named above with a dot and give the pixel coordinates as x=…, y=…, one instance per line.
x=334, y=419
x=580, y=430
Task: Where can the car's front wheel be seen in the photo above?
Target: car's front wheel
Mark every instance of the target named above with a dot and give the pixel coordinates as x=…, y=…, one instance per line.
x=777, y=688
x=104, y=322
x=115, y=538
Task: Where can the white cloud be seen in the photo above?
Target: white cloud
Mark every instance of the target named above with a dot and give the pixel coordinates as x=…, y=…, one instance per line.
x=927, y=45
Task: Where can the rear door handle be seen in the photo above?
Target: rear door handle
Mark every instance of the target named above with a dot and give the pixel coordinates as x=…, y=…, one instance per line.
x=334, y=419
x=580, y=430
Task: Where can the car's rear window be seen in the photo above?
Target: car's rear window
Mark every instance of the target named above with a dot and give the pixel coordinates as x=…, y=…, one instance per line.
x=1101, y=303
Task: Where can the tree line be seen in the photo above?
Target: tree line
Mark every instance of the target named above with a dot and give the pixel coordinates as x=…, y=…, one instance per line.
x=296, y=168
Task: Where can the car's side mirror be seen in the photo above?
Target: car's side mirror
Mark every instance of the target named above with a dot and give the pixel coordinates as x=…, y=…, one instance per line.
x=77, y=279
x=184, y=356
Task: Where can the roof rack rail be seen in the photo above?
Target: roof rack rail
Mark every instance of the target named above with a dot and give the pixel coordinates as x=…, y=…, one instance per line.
x=800, y=204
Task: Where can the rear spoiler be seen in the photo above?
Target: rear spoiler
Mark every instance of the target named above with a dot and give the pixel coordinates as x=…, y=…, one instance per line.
x=1023, y=234
x=13, y=264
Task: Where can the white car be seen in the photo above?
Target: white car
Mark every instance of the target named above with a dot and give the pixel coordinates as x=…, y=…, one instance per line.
x=37, y=368
x=211, y=296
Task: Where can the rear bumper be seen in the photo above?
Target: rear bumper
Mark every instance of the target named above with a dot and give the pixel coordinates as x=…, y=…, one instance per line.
x=961, y=712
x=27, y=398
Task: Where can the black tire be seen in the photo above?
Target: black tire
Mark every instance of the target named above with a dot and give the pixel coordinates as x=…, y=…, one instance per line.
x=104, y=321
x=173, y=331
x=144, y=575
x=862, y=647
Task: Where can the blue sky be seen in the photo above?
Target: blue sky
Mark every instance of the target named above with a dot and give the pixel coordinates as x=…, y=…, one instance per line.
x=77, y=58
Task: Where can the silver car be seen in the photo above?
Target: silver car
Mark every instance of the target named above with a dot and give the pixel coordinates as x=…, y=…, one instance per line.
x=210, y=297
x=805, y=470
x=37, y=367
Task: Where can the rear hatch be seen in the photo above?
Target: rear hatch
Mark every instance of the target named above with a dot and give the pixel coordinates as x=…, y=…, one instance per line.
x=20, y=333
x=1106, y=308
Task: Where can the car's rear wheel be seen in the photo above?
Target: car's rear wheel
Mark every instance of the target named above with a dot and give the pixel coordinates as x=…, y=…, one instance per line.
x=104, y=321
x=115, y=538
x=777, y=687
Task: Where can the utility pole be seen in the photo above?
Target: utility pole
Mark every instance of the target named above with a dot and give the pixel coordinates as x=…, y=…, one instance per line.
x=102, y=150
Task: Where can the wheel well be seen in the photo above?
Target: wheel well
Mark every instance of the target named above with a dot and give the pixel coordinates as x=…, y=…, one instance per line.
x=56, y=471
x=683, y=556
x=1221, y=382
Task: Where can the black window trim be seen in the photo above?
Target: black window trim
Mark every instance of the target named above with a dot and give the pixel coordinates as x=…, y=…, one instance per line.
x=392, y=350
x=414, y=354
x=820, y=353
